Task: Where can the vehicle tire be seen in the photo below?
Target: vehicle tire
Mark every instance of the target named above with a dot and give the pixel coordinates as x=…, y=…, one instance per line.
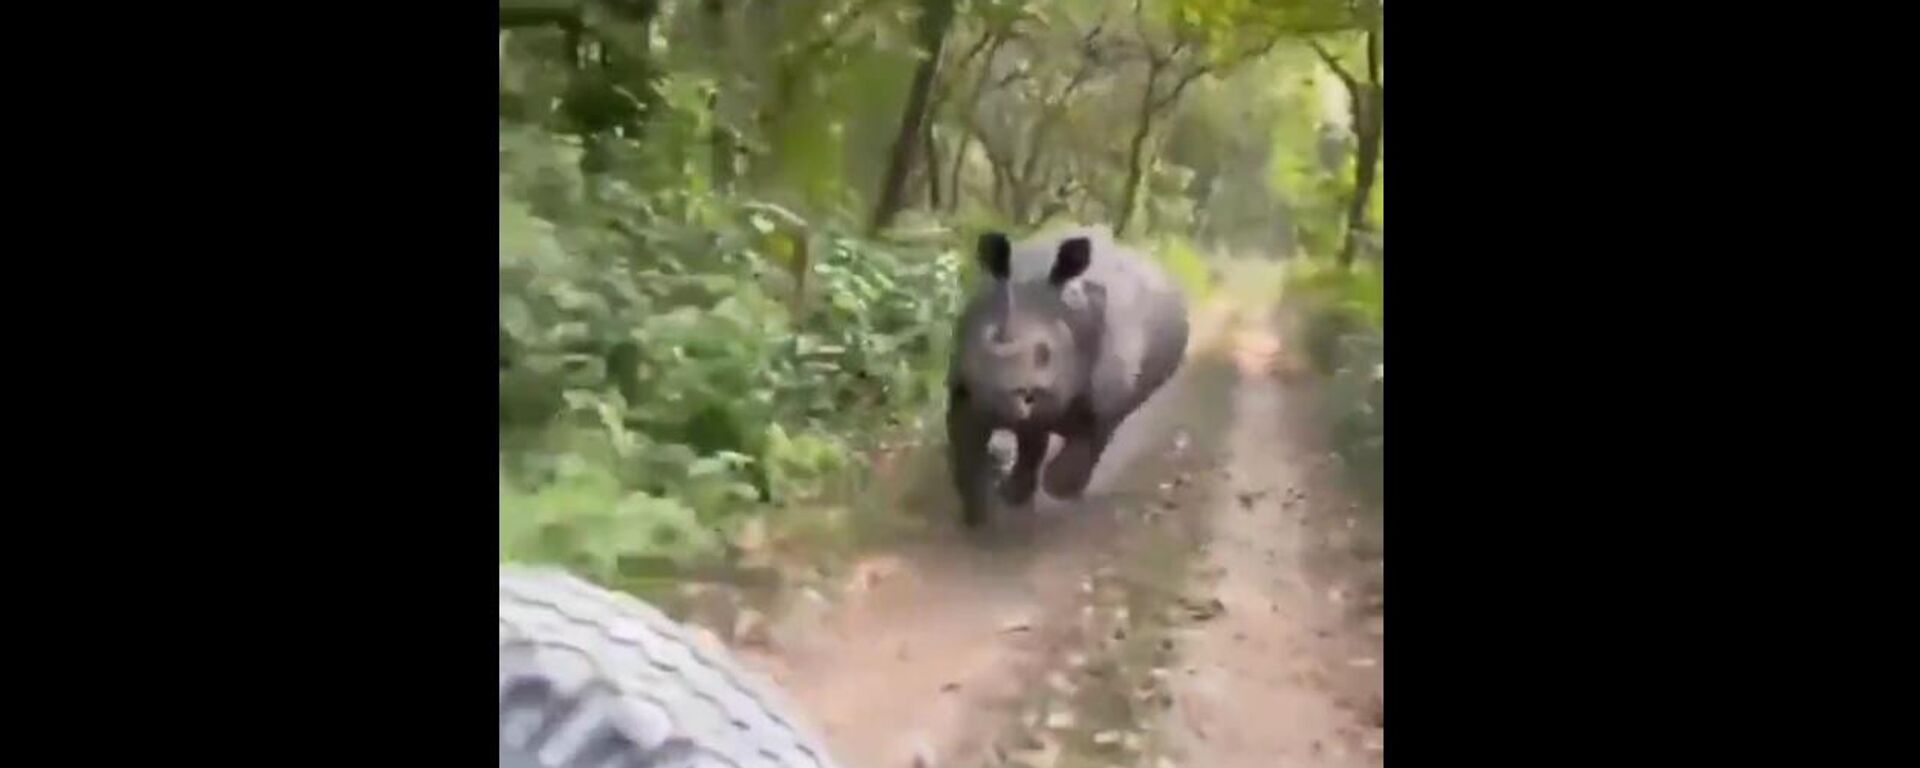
x=589, y=677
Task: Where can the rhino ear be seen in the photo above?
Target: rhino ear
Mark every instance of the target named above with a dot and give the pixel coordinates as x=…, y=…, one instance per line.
x=1074, y=257
x=995, y=253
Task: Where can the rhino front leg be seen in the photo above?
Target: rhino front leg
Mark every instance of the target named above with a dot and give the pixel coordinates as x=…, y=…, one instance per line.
x=1025, y=477
x=967, y=455
x=1069, y=473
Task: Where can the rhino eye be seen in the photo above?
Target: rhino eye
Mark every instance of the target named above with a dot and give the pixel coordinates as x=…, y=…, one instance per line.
x=1042, y=355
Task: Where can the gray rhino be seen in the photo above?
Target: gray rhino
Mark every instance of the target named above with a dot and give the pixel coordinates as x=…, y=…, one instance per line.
x=1067, y=335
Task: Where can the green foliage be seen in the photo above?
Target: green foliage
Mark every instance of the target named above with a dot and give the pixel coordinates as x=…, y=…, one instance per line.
x=1187, y=266
x=670, y=364
x=1342, y=313
x=586, y=522
x=1311, y=157
x=1357, y=401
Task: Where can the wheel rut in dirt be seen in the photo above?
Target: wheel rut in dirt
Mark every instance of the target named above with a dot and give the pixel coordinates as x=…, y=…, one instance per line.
x=1289, y=670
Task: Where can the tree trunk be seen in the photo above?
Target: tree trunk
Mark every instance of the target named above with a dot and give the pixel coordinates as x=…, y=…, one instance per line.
x=720, y=136
x=1366, y=167
x=625, y=36
x=1136, y=150
x=932, y=156
x=958, y=167
x=966, y=118
x=1368, y=102
x=935, y=17
x=999, y=186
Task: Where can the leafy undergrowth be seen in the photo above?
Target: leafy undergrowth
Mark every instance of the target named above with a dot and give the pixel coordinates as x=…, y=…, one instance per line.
x=1340, y=328
x=687, y=377
x=695, y=385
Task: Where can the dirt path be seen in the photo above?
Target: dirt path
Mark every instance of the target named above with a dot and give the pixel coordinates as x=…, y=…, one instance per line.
x=1288, y=673
x=948, y=651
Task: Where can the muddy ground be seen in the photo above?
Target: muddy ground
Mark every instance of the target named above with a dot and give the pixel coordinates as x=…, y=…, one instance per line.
x=1215, y=600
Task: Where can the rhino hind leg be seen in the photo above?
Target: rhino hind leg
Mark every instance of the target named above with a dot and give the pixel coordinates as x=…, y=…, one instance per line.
x=1068, y=474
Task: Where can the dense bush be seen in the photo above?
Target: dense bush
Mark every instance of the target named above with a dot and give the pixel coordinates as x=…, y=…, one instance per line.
x=665, y=372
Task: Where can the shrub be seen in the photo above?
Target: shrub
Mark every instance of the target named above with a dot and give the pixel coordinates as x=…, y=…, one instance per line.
x=1341, y=313
x=672, y=363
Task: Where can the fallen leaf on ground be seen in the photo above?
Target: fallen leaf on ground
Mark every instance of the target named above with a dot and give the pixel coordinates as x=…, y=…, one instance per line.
x=1044, y=757
x=1206, y=610
x=750, y=628
x=923, y=754
x=1193, y=724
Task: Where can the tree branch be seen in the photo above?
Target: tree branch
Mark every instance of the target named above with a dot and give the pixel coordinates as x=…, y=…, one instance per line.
x=1373, y=56
x=1051, y=111
x=1261, y=51
x=985, y=39
x=966, y=119
x=1353, y=86
x=1162, y=103
x=1140, y=30
x=854, y=13
x=1208, y=69
x=949, y=84
x=512, y=17
x=994, y=156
